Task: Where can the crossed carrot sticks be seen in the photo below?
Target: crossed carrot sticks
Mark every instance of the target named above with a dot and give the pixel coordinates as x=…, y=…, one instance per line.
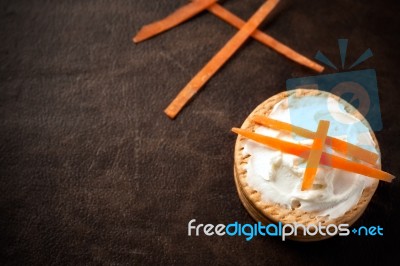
x=246, y=30
x=364, y=162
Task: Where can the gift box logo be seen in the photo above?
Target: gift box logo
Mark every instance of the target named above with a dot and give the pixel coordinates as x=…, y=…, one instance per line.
x=359, y=87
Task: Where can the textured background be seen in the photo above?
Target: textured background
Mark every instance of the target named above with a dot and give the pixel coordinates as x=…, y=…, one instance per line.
x=93, y=172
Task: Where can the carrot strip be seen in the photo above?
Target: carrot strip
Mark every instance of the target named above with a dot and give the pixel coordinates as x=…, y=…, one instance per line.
x=326, y=158
x=219, y=59
x=196, y=6
x=180, y=15
x=315, y=154
x=265, y=39
x=336, y=144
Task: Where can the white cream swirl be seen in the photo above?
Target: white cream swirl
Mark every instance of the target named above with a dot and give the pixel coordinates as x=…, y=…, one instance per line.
x=278, y=176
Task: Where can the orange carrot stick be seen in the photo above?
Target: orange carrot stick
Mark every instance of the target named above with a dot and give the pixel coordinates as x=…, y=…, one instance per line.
x=180, y=15
x=315, y=154
x=265, y=39
x=326, y=158
x=219, y=59
x=336, y=144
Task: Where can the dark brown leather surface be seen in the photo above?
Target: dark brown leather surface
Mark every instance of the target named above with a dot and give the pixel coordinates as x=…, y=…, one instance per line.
x=92, y=171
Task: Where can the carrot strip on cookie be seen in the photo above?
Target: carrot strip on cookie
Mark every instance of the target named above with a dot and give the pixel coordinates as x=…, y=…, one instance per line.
x=315, y=154
x=219, y=59
x=265, y=39
x=180, y=15
x=326, y=158
x=336, y=144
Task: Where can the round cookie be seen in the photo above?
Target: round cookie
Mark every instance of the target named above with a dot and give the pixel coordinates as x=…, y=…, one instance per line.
x=270, y=212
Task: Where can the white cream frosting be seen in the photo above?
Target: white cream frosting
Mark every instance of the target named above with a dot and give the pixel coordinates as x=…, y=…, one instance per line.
x=278, y=176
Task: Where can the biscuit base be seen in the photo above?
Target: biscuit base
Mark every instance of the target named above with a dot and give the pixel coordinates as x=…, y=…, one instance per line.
x=269, y=212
